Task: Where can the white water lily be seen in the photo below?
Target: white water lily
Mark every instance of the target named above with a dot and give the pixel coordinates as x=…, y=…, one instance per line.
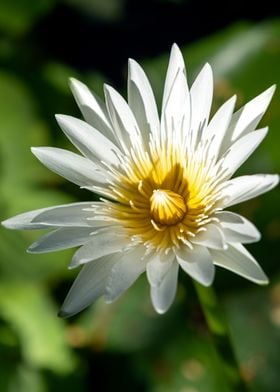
x=164, y=184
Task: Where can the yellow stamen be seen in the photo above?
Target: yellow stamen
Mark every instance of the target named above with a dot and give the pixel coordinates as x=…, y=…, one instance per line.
x=167, y=207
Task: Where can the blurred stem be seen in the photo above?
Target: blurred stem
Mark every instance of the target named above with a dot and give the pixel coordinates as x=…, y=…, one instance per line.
x=218, y=327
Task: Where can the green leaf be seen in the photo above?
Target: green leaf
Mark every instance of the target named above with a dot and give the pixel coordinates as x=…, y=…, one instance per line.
x=24, y=379
x=22, y=177
x=254, y=319
x=125, y=333
x=17, y=16
x=18, y=265
x=32, y=314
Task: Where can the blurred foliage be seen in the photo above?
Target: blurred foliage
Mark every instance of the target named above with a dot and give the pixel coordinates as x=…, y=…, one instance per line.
x=18, y=16
x=107, y=10
x=125, y=345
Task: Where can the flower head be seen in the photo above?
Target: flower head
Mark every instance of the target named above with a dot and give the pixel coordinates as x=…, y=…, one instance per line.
x=164, y=182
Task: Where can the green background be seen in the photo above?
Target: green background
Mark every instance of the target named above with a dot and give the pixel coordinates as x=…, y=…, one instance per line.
x=124, y=346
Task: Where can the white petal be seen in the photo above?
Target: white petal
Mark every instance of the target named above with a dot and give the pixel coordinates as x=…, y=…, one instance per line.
x=27, y=220
x=72, y=214
x=88, y=286
x=237, y=259
x=246, y=119
x=242, y=149
x=92, y=108
x=63, y=238
x=125, y=271
x=235, y=236
x=73, y=167
x=88, y=140
x=141, y=101
x=218, y=126
x=176, y=63
x=158, y=267
x=236, y=228
x=213, y=237
x=197, y=263
x=23, y=221
x=201, y=94
x=163, y=295
x=122, y=118
x=228, y=217
x=177, y=109
x=101, y=244
x=244, y=188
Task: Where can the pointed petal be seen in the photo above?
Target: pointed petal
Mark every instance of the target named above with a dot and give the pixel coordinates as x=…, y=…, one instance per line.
x=236, y=228
x=242, y=149
x=73, y=214
x=238, y=260
x=142, y=101
x=88, y=140
x=23, y=221
x=28, y=221
x=213, y=237
x=59, y=239
x=88, y=286
x=101, y=244
x=176, y=113
x=92, y=108
x=158, y=267
x=246, y=119
x=228, y=217
x=71, y=166
x=163, y=295
x=126, y=270
x=176, y=63
x=244, y=188
x=218, y=126
x=122, y=118
x=201, y=95
x=197, y=263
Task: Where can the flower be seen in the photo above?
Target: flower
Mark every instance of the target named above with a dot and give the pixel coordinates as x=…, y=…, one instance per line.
x=164, y=184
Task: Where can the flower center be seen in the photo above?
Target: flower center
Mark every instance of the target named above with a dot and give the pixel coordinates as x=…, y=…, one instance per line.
x=167, y=207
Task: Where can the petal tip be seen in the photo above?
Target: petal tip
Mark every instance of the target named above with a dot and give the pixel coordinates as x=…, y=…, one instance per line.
x=63, y=119
x=271, y=90
x=159, y=310
x=58, y=117
x=36, y=150
x=175, y=47
x=7, y=223
x=208, y=67
x=72, y=266
x=11, y=223
x=131, y=61
x=264, y=281
x=33, y=249
x=206, y=283
x=30, y=249
x=63, y=314
x=73, y=82
x=107, y=88
x=177, y=53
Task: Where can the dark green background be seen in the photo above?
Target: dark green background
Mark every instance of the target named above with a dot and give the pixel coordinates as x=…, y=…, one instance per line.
x=126, y=346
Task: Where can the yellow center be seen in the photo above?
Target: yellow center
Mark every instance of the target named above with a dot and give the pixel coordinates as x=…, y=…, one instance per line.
x=163, y=203
x=167, y=207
